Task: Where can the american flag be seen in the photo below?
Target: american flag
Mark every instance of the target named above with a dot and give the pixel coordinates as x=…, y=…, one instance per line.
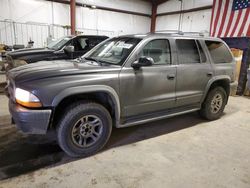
x=230, y=18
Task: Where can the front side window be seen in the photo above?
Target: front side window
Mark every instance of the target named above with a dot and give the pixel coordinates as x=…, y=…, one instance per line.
x=114, y=51
x=59, y=43
x=80, y=43
x=158, y=50
x=187, y=51
x=219, y=52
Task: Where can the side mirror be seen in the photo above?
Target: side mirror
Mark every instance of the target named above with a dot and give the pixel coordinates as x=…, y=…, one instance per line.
x=69, y=49
x=143, y=62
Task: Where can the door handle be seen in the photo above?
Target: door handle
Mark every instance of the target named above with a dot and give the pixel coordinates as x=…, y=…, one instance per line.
x=209, y=74
x=171, y=76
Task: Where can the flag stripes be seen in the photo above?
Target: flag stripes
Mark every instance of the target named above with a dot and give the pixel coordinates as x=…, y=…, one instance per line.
x=230, y=18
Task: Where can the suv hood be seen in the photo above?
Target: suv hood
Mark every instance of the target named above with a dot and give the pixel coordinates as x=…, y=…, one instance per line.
x=46, y=69
x=29, y=51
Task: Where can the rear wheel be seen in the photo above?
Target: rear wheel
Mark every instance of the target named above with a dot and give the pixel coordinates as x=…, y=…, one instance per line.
x=84, y=129
x=214, y=104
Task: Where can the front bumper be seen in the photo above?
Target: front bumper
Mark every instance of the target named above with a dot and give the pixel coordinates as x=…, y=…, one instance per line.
x=30, y=121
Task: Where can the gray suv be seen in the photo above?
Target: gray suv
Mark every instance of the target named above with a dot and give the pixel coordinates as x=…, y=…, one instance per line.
x=124, y=81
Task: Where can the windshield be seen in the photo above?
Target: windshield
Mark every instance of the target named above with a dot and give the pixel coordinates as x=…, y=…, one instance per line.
x=114, y=51
x=59, y=43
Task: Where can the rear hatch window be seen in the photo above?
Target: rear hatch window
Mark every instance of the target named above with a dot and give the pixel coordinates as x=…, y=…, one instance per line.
x=219, y=52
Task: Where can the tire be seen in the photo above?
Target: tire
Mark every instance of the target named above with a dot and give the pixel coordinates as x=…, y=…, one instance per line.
x=211, y=108
x=84, y=129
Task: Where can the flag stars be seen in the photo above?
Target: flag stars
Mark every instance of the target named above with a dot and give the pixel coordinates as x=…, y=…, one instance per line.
x=240, y=4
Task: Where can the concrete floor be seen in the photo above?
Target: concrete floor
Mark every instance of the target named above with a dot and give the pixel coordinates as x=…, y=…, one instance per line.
x=183, y=151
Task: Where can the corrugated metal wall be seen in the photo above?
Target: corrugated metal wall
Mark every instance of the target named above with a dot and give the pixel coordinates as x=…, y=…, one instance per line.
x=37, y=19
x=188, y=22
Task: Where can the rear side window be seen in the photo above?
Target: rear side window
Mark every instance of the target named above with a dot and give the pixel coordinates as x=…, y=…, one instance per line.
x=219, y=52
x=187, y=51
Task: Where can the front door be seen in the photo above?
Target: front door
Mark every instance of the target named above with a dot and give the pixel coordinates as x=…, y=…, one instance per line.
x=149, y=89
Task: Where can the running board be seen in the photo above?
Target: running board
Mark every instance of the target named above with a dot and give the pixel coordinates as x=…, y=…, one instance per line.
x=128, y=124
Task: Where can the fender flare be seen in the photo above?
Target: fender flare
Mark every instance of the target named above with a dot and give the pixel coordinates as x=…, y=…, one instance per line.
x=212, y=80
x=87, y=89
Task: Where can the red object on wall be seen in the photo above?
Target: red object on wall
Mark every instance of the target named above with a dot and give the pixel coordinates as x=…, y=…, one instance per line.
x=153, y=17
x=73, y=16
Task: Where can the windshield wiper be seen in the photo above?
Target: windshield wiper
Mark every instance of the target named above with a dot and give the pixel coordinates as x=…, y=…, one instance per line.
x=93, y=59
x=79, y=59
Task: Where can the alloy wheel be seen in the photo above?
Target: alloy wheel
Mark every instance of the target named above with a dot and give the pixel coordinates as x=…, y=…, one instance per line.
x=87, y=131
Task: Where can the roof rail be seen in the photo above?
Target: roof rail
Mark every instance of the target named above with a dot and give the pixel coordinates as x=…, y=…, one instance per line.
x=194, y=33
x=169, y=31
x=178, y=32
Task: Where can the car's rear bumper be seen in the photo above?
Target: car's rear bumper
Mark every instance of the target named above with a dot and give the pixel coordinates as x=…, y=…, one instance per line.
x=28, y=120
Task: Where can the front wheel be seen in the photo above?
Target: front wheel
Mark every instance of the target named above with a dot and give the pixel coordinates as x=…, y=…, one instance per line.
x=84, y=129
x=214, y=104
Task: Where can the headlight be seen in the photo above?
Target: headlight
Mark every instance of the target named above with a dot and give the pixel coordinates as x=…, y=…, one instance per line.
x=26, y=98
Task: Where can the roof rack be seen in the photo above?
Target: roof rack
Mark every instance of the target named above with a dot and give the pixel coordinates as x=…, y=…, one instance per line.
x=178, y=32
x=168, y=32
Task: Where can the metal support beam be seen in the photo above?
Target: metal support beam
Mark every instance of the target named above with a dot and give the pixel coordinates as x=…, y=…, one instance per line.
x=153, y=17
x=73, y=16
x=102, y=8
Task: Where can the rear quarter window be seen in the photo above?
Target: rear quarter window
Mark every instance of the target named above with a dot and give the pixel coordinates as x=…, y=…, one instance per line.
x=219, y=52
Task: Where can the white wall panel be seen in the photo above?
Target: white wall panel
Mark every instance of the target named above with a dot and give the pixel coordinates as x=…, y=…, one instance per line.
x=26, y=10
x=175, y=5
x=190, y=22
x=90, y=21
x=201, y=3
x=169, y=6
x=95, y=19
x=200, y=20
x=193, y=21
x=61, y=13
x=189, y=4
x=170, y=22
x=4, y=10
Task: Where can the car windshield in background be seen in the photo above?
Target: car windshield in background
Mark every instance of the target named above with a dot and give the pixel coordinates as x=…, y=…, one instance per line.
x=114, y=51
x=59, y=43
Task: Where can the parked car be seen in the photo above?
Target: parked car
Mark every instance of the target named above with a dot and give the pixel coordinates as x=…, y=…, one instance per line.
x=67, y=47
x=124, y=81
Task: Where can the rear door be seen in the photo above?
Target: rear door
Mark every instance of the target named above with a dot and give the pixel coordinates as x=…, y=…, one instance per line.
x=193, y=72
x=222, y=58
